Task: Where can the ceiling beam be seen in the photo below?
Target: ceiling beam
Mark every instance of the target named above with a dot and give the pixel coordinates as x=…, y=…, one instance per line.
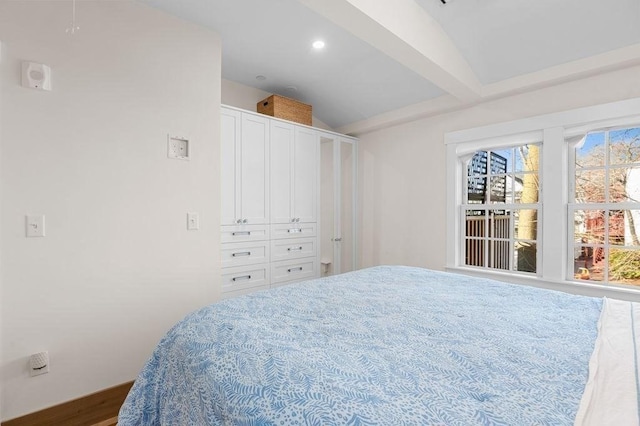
x=597, y=64
x=404, y=31
x=441, y=105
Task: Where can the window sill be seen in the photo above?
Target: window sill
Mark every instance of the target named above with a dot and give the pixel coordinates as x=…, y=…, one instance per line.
x=574, y=287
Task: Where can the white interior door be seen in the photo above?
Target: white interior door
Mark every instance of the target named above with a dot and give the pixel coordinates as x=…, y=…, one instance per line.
x=346, y=195
x=338, y=202
x=327, y=208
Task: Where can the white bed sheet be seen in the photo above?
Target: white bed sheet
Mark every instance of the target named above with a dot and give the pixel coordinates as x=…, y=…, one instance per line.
x=611, y=393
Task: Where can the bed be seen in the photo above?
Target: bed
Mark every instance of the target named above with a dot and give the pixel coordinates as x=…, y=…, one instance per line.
x=394, y=345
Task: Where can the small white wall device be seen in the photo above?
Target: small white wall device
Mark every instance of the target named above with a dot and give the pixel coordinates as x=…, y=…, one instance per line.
x=36, y=76
x=39, y=363
x=178, y=147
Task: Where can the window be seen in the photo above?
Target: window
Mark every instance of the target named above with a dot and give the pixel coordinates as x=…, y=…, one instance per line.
x=605, y=207
x=552, y=199
x=501, y=208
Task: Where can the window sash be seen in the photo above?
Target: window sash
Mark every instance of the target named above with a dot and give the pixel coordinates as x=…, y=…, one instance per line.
x=608, y=205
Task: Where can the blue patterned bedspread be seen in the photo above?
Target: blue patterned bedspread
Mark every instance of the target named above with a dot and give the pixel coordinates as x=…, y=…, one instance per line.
x=382, y=346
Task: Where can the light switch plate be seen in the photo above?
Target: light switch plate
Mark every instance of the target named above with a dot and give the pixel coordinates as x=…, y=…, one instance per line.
x=193, y=221
x=177, y=147
x=35, y=225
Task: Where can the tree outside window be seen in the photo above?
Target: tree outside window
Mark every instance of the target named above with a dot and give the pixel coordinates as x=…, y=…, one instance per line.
x=606, y=213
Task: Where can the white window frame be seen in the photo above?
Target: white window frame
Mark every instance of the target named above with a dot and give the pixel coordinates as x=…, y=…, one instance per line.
x=554, y=131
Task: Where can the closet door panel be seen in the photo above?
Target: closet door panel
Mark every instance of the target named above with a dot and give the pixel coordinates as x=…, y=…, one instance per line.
x=305, y=179
x=230, y=137
x=281, y=177
x=254, y=153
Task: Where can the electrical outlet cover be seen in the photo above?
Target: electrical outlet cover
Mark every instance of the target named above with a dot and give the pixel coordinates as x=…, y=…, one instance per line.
x=177, y=147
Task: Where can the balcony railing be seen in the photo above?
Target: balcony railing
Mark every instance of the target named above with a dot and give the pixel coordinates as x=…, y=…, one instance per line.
x=496, y=241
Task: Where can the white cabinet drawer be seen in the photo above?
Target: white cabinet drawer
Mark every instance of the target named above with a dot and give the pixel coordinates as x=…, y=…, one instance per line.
x=241, y=233
x=285, y=249
x=237, y=254
x=293, y=230
x=244, y=277
x=242, y=292
x=293, y=270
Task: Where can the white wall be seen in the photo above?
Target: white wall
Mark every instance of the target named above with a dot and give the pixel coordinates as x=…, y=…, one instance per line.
x=1, y=204
x=240, y=96
x=402, y=168
x=117, y=266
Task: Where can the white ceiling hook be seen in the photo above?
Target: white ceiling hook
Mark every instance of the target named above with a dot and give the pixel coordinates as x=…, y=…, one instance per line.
x=73, y=27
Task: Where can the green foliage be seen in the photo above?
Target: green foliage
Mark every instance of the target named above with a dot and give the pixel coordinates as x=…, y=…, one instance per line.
x=624, y=265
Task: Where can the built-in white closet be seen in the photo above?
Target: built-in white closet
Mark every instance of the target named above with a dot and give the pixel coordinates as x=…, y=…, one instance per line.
x=272, y=210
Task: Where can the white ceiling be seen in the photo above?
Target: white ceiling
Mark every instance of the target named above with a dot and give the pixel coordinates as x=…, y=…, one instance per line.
x=388, y=61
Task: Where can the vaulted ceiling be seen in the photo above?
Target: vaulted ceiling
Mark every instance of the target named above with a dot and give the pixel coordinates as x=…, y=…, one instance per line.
x=389, y=61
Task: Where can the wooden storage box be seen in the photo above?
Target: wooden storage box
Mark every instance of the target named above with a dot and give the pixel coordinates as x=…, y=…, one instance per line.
x=285, y=108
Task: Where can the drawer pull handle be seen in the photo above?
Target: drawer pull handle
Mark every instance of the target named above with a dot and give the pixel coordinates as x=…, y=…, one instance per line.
x=299, y=268
x=241, y=233
x=243, y=253
x=244, y=277
x=294, y=230
x=294, y=248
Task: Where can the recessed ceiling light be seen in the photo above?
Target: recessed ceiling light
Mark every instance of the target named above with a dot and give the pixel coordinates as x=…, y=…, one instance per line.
x=318, y=44
x=261, y=77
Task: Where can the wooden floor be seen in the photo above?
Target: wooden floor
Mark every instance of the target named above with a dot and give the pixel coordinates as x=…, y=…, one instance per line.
x=89, y=410
x=111, y=422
